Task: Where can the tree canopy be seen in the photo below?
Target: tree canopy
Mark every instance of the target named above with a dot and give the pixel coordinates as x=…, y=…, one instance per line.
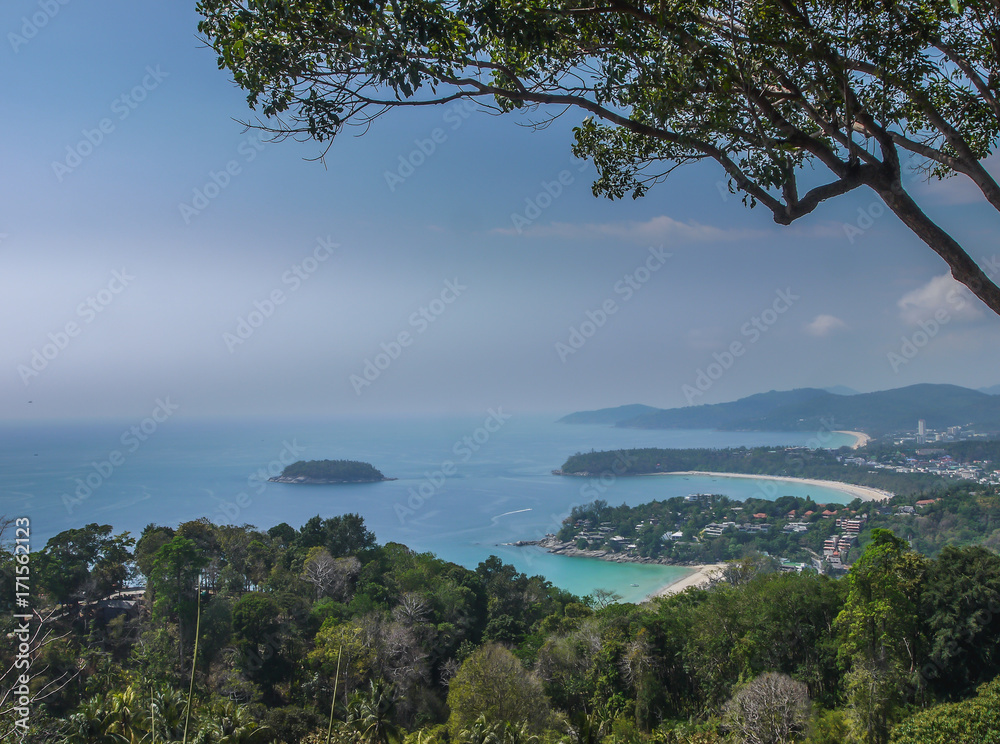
x=411, y=649
x=798, y=101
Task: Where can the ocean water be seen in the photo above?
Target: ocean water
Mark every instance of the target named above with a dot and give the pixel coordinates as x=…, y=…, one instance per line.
x=466, y=485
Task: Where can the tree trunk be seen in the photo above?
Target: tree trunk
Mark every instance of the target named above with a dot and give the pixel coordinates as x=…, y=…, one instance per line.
x=963, y=268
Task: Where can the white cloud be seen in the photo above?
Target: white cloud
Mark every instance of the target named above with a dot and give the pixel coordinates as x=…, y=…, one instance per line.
x=942, y=293
x=657, y=229
x=824, y=325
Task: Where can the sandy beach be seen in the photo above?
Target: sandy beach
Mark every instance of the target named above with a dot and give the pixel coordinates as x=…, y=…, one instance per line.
x=699, y=576
x=861, y=439
x=860, y=492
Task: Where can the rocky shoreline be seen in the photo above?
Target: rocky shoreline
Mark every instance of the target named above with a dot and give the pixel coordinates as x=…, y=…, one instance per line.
x=320, y=481
x=554, y=545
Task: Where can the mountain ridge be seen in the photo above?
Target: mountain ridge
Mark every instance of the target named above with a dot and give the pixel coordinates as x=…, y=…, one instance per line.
x=809, y=409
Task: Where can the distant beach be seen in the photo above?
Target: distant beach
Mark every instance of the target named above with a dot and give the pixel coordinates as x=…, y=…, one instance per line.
x=699, y=576
x=861, y=439
x=865, y=493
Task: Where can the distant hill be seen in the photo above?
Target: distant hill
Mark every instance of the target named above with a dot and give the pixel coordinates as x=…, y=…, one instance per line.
x=607, y=415
x=992, y=390
x=841, y=390
x=813, y=409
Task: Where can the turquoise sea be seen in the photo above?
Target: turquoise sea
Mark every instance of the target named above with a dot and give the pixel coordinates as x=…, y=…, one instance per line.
x=466, y=485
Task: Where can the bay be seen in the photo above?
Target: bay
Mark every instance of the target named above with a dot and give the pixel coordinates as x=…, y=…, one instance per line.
x=466, y=484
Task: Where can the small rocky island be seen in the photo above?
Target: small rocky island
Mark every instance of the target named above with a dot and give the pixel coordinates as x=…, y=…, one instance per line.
x=325, y=472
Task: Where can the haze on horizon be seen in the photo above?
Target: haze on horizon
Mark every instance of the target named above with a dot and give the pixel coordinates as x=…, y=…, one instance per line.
x=151, y=247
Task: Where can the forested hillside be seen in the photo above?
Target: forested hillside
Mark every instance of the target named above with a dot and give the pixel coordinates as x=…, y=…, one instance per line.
x=409, y=648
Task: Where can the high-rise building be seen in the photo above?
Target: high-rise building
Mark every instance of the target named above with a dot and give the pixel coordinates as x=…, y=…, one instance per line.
x=921, y=427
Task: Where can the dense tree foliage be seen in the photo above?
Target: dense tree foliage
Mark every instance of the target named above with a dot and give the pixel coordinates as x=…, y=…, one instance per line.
x=797, y=101
x=88, y=562
x=422, y=650
x=492, y=683
x=333, y=471
x=973, y=721
x=881, y=632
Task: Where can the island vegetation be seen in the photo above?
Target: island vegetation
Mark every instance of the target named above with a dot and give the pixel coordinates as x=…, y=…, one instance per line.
x=295, y=635
x=330, y=471
x=796, y=533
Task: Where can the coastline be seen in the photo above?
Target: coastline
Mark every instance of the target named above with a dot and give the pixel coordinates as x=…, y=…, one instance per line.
x=860, y=438
x=865, y=493
x=699, y=576
x=305, y=481
x=552, y=545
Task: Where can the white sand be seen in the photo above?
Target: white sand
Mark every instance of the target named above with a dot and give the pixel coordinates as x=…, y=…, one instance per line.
x=699, y=576
x=864, y=493
x=861, y=439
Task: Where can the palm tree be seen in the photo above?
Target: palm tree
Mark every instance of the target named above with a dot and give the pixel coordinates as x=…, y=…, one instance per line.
x=230, y=723
x=169, y=706
x=502, y=732
x=130, y=716
x=588, y=728
x=516, y=733
x=369, y=713
x=480, y=732
x=91, y=724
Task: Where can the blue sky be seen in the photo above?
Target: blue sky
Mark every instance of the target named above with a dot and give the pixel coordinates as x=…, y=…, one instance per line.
x=123, y=154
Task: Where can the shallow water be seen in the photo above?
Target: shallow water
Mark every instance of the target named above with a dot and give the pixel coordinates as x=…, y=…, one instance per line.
x=462, y=491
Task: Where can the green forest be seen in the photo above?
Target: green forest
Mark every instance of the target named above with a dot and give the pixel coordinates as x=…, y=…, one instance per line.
x=321, y=634
x=346, y=471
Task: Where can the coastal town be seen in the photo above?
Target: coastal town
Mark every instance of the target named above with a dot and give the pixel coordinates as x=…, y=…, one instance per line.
x=795, y=533
x=954, y=452
x=688, y=531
